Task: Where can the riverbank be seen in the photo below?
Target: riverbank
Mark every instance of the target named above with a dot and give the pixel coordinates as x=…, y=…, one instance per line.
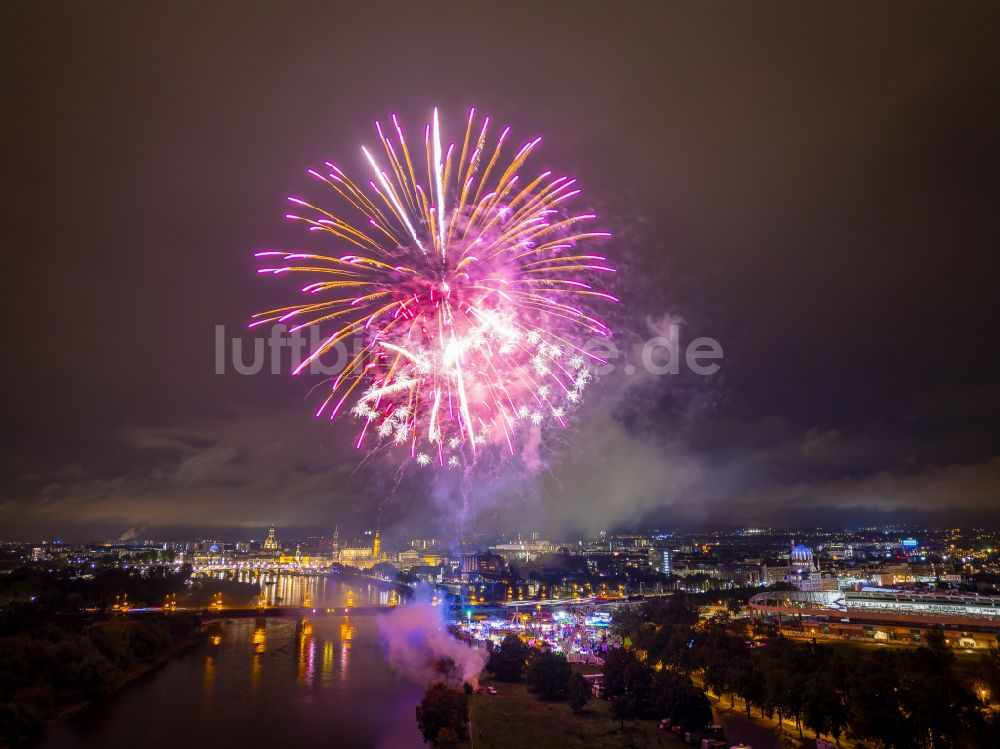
x=49, y=673
x=264, y=682
x=197, y=638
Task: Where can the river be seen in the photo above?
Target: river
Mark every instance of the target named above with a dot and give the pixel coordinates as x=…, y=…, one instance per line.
x=266, y=683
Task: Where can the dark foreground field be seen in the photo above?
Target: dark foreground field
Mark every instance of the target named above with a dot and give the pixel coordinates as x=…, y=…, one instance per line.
x=515, y=718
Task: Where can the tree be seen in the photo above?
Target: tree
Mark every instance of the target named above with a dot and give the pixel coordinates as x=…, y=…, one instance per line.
x=694, y=710
x=447, y=671
x=718, y=673
x=615, y=663
x=749, y=683
x=443, y=716
x=579, y=692
x=942, y=709
x=873, y=701
x=989, y=670
x=936, y=643
x=778, y=687
x=633, y=699
x=625, y=706
x=664, y=630
x=675, y=696
x=818, y=707
x=821, y=681
x=507, y=661
x=626, y=623
x=548, y=675
x=447, y=738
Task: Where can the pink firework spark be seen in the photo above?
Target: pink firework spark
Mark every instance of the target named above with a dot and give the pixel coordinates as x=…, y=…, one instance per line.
x=469, y=293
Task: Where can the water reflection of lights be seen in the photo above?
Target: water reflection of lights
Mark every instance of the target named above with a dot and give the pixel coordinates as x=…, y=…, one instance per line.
x=345, y=659
x=311, y=662
x=307, y=653
x=327, y=660
x=346, y=635
x=208, y=678
x=260, y=637
x=254, y=673
x=314, y=589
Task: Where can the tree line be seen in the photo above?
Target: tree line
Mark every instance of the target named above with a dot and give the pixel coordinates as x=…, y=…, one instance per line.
x=911, y=698
x=45, y=671
x=53, y=656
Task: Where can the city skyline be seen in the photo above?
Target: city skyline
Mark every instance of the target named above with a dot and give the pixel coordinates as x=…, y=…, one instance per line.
x=354, y=533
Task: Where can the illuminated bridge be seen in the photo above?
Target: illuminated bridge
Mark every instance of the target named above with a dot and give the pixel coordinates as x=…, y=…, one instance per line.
x=253, y=612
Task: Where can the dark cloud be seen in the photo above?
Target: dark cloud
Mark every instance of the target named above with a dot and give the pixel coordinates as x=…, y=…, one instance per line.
x=814, y=187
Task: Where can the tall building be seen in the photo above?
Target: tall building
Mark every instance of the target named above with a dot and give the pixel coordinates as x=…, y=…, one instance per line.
x=660, y=560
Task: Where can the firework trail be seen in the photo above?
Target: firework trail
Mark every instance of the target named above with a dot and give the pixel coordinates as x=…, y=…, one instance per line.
x=466, y=286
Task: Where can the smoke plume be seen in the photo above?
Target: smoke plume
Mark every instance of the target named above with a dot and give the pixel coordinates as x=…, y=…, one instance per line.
x=417, y=642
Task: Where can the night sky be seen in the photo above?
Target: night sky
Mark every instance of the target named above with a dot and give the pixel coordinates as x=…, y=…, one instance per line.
x=816, y=188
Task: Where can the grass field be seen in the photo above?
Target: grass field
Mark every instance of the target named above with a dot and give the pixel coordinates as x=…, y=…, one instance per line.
x=966, y=661
x=514, y=718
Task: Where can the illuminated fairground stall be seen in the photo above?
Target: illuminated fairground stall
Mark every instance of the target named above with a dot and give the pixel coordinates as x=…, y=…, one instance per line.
x=580, y=634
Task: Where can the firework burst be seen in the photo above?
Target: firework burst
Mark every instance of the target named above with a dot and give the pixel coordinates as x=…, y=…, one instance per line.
x=467, y=288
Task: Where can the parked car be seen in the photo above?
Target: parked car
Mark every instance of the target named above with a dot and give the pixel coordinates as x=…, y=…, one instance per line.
x=491, y=690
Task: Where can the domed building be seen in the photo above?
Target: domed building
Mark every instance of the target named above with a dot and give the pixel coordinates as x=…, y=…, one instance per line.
x=270, y=543
x=801, y=566
x=801, y=559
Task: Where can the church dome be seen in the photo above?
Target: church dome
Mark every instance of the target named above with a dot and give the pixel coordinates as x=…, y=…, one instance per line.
x=802, y=553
